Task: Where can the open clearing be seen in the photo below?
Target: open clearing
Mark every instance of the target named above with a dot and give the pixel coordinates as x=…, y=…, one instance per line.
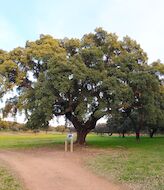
x=39, y=161
x=49, y=169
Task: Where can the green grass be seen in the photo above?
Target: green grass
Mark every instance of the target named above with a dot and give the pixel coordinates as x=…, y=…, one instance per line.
x=145, y=143
x=8, y=181
x=139, y=165
x=23, y=140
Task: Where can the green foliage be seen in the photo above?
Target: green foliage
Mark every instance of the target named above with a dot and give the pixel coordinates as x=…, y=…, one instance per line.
x=13, y=126
x=76, y=81
x=61, y=129
x=83, y=79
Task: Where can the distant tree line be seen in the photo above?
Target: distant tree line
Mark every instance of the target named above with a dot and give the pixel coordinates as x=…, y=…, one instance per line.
x=20, y=127
x=12, y=126
x=127, y=129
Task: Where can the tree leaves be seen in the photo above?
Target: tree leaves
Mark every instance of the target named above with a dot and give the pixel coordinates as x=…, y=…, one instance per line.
x=83, y=78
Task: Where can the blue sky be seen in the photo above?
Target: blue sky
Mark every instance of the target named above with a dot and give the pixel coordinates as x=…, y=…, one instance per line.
x=22, y=20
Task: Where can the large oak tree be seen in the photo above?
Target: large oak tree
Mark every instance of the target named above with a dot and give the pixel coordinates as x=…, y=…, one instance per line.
x=83, y=80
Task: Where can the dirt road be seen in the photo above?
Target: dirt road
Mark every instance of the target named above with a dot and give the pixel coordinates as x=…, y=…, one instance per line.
x=54, y=170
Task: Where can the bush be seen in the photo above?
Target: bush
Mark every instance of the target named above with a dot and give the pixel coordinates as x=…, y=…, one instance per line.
x=102, y=129
x=61, y=129
x=11, y=126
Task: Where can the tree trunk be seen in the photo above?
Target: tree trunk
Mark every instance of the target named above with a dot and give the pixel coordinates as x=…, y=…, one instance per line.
x=110, y=134
x=151, y=132
x=82, y=128
x=81, y=136
x=138, y=129
x=123, y=135
x=137, y=135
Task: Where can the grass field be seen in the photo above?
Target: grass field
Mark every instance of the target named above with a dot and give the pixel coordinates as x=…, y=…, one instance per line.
x=140, y=165
x=29, y=140
x=8, y=180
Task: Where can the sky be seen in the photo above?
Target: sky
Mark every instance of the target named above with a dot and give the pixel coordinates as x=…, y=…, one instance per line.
x=142, y=20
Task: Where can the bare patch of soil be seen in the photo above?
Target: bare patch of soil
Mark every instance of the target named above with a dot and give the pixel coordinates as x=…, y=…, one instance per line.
x=49, y=169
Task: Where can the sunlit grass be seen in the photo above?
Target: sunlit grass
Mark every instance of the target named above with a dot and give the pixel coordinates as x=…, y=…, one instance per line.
x=8, y=181
x=24, y=140
x=138, y=164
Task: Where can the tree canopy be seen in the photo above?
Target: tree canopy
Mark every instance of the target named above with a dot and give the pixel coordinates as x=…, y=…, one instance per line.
x=84, y=80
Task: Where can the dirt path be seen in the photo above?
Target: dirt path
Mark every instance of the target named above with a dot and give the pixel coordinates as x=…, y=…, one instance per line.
x=54, y=170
